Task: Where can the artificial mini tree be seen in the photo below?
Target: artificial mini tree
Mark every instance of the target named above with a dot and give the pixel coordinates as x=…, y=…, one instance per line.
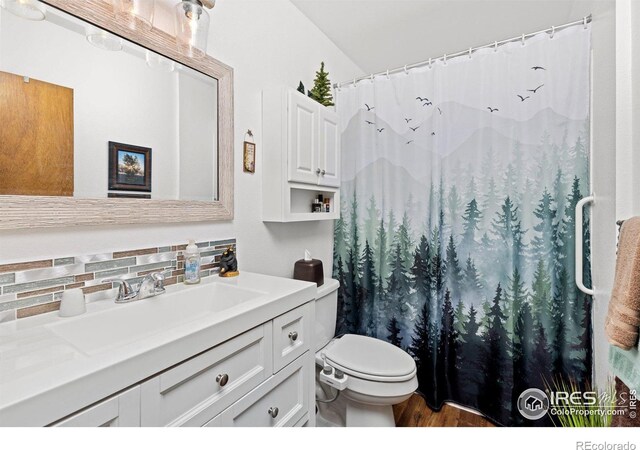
x=321, y=91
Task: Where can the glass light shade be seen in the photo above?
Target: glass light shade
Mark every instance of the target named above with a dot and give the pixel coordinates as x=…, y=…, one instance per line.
x=135, y=13
x=27, y=9
x=192, y=28
x=159, y=62
x=103, y=39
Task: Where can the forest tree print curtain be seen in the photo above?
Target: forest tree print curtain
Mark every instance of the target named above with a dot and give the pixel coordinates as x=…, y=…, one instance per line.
x=456, y=239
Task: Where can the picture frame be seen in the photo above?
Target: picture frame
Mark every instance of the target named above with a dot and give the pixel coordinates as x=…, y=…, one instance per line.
x=129, y=167
x=125, y=195
x=249, y=157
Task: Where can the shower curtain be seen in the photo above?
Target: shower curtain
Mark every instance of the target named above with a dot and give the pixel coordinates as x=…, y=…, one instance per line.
x=456, y=239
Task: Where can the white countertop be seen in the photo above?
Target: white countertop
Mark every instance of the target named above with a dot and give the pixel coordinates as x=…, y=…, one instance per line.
x=44, y=378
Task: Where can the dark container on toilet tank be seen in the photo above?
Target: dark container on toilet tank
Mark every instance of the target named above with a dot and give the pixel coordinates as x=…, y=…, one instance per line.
x=309, y=269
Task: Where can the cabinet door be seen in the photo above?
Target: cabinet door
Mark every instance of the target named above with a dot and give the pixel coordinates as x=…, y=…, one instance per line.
x=303, y=138
x=281, y=401
x=329, y=154
x=122, y=410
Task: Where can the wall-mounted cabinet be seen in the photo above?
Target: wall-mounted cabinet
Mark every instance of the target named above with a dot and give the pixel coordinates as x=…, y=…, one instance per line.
x=301, y=157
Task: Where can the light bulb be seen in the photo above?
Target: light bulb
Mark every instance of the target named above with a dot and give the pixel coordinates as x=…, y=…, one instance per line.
x=135, y=13
x=26, y=9
x=192, y=28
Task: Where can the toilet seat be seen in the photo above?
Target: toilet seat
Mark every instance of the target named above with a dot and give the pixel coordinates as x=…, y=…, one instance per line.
x=370, y=359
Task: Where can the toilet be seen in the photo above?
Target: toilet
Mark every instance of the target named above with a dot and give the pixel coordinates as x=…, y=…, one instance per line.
x=371, y=375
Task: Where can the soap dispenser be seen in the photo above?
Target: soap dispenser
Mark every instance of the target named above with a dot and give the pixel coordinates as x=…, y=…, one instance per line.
x=309, y=269
x=192, y=263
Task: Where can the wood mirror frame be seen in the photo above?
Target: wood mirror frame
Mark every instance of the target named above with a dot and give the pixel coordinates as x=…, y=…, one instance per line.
x=19, y=212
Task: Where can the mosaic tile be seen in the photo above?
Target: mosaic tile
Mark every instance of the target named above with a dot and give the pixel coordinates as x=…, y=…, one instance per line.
x=112, y=264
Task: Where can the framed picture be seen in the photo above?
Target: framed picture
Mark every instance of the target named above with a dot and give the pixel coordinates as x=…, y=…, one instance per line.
x=249, y=157
x=118, y=195
x=129, y=167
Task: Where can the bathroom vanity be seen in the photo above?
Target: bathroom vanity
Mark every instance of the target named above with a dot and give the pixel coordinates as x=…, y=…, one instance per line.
x=227, y=352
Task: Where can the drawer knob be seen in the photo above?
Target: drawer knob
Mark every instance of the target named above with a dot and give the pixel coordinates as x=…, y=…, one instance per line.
x=318, y=171
x=222, y=379
x=323, y=172
x=273, y=412
x=293, y=335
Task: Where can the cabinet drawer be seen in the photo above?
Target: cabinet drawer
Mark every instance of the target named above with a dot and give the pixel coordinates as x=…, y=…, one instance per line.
x=193, y=392
x=288, y=391
x=122, y=410
x=291, y=335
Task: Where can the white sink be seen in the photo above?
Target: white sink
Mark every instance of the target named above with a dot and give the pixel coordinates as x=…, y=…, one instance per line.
x=127, y=323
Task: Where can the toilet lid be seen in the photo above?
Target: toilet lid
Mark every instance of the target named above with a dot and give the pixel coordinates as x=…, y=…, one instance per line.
x=370, y=359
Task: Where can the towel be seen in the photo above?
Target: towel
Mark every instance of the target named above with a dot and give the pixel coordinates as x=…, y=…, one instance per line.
x=625, y=364
x=623, y=318
x=626, y=406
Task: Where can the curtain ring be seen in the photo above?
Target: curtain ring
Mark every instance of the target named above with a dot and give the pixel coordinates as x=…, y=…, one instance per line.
x=470, y=49
x=354, y=82
x=584, y=22
x=388, y=78
x=445, y=59
x=495, y=46
x=429, y=63
x=553, y=32
x=405, y=70
x=523, y=39
x=372, y=78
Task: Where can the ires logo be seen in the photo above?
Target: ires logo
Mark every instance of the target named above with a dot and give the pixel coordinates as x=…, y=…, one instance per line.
x=561, y=399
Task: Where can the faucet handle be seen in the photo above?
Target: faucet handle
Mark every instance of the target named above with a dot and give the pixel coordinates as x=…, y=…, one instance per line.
x=158, y=279
x=125, y=292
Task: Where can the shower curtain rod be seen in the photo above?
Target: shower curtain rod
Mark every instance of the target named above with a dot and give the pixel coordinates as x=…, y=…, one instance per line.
x=584, y=21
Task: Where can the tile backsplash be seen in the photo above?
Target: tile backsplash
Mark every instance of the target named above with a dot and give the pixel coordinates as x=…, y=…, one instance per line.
x=35, y=287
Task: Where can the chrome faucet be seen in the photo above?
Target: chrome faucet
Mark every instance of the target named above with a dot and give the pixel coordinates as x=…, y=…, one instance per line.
x=150, y=286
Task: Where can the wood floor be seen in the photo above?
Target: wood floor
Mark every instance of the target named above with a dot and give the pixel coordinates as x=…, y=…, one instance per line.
x=415, y=413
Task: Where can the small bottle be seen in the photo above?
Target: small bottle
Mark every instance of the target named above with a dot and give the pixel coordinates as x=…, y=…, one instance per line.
x=192, y=263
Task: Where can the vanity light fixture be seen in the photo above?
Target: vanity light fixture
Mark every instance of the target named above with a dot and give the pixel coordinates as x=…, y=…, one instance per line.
x=103, y=39
x=135, y=13
x=159, y=62
x=26, y=9
x=192, y=26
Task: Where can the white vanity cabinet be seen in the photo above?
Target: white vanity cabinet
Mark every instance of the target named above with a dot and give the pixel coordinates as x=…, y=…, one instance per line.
x=301, y=159
x=262, y=377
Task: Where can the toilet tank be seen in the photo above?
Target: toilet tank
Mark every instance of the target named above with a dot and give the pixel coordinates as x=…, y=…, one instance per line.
x=326, y=312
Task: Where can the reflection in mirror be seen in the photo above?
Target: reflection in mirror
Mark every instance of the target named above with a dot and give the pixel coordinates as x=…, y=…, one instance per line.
x=76, y=102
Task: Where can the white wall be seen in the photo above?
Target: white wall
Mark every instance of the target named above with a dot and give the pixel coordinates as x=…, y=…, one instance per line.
x=267, y=42
x=603, y=172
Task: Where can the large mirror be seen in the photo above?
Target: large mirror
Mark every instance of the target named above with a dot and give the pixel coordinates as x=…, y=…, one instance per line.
x=92, y=111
